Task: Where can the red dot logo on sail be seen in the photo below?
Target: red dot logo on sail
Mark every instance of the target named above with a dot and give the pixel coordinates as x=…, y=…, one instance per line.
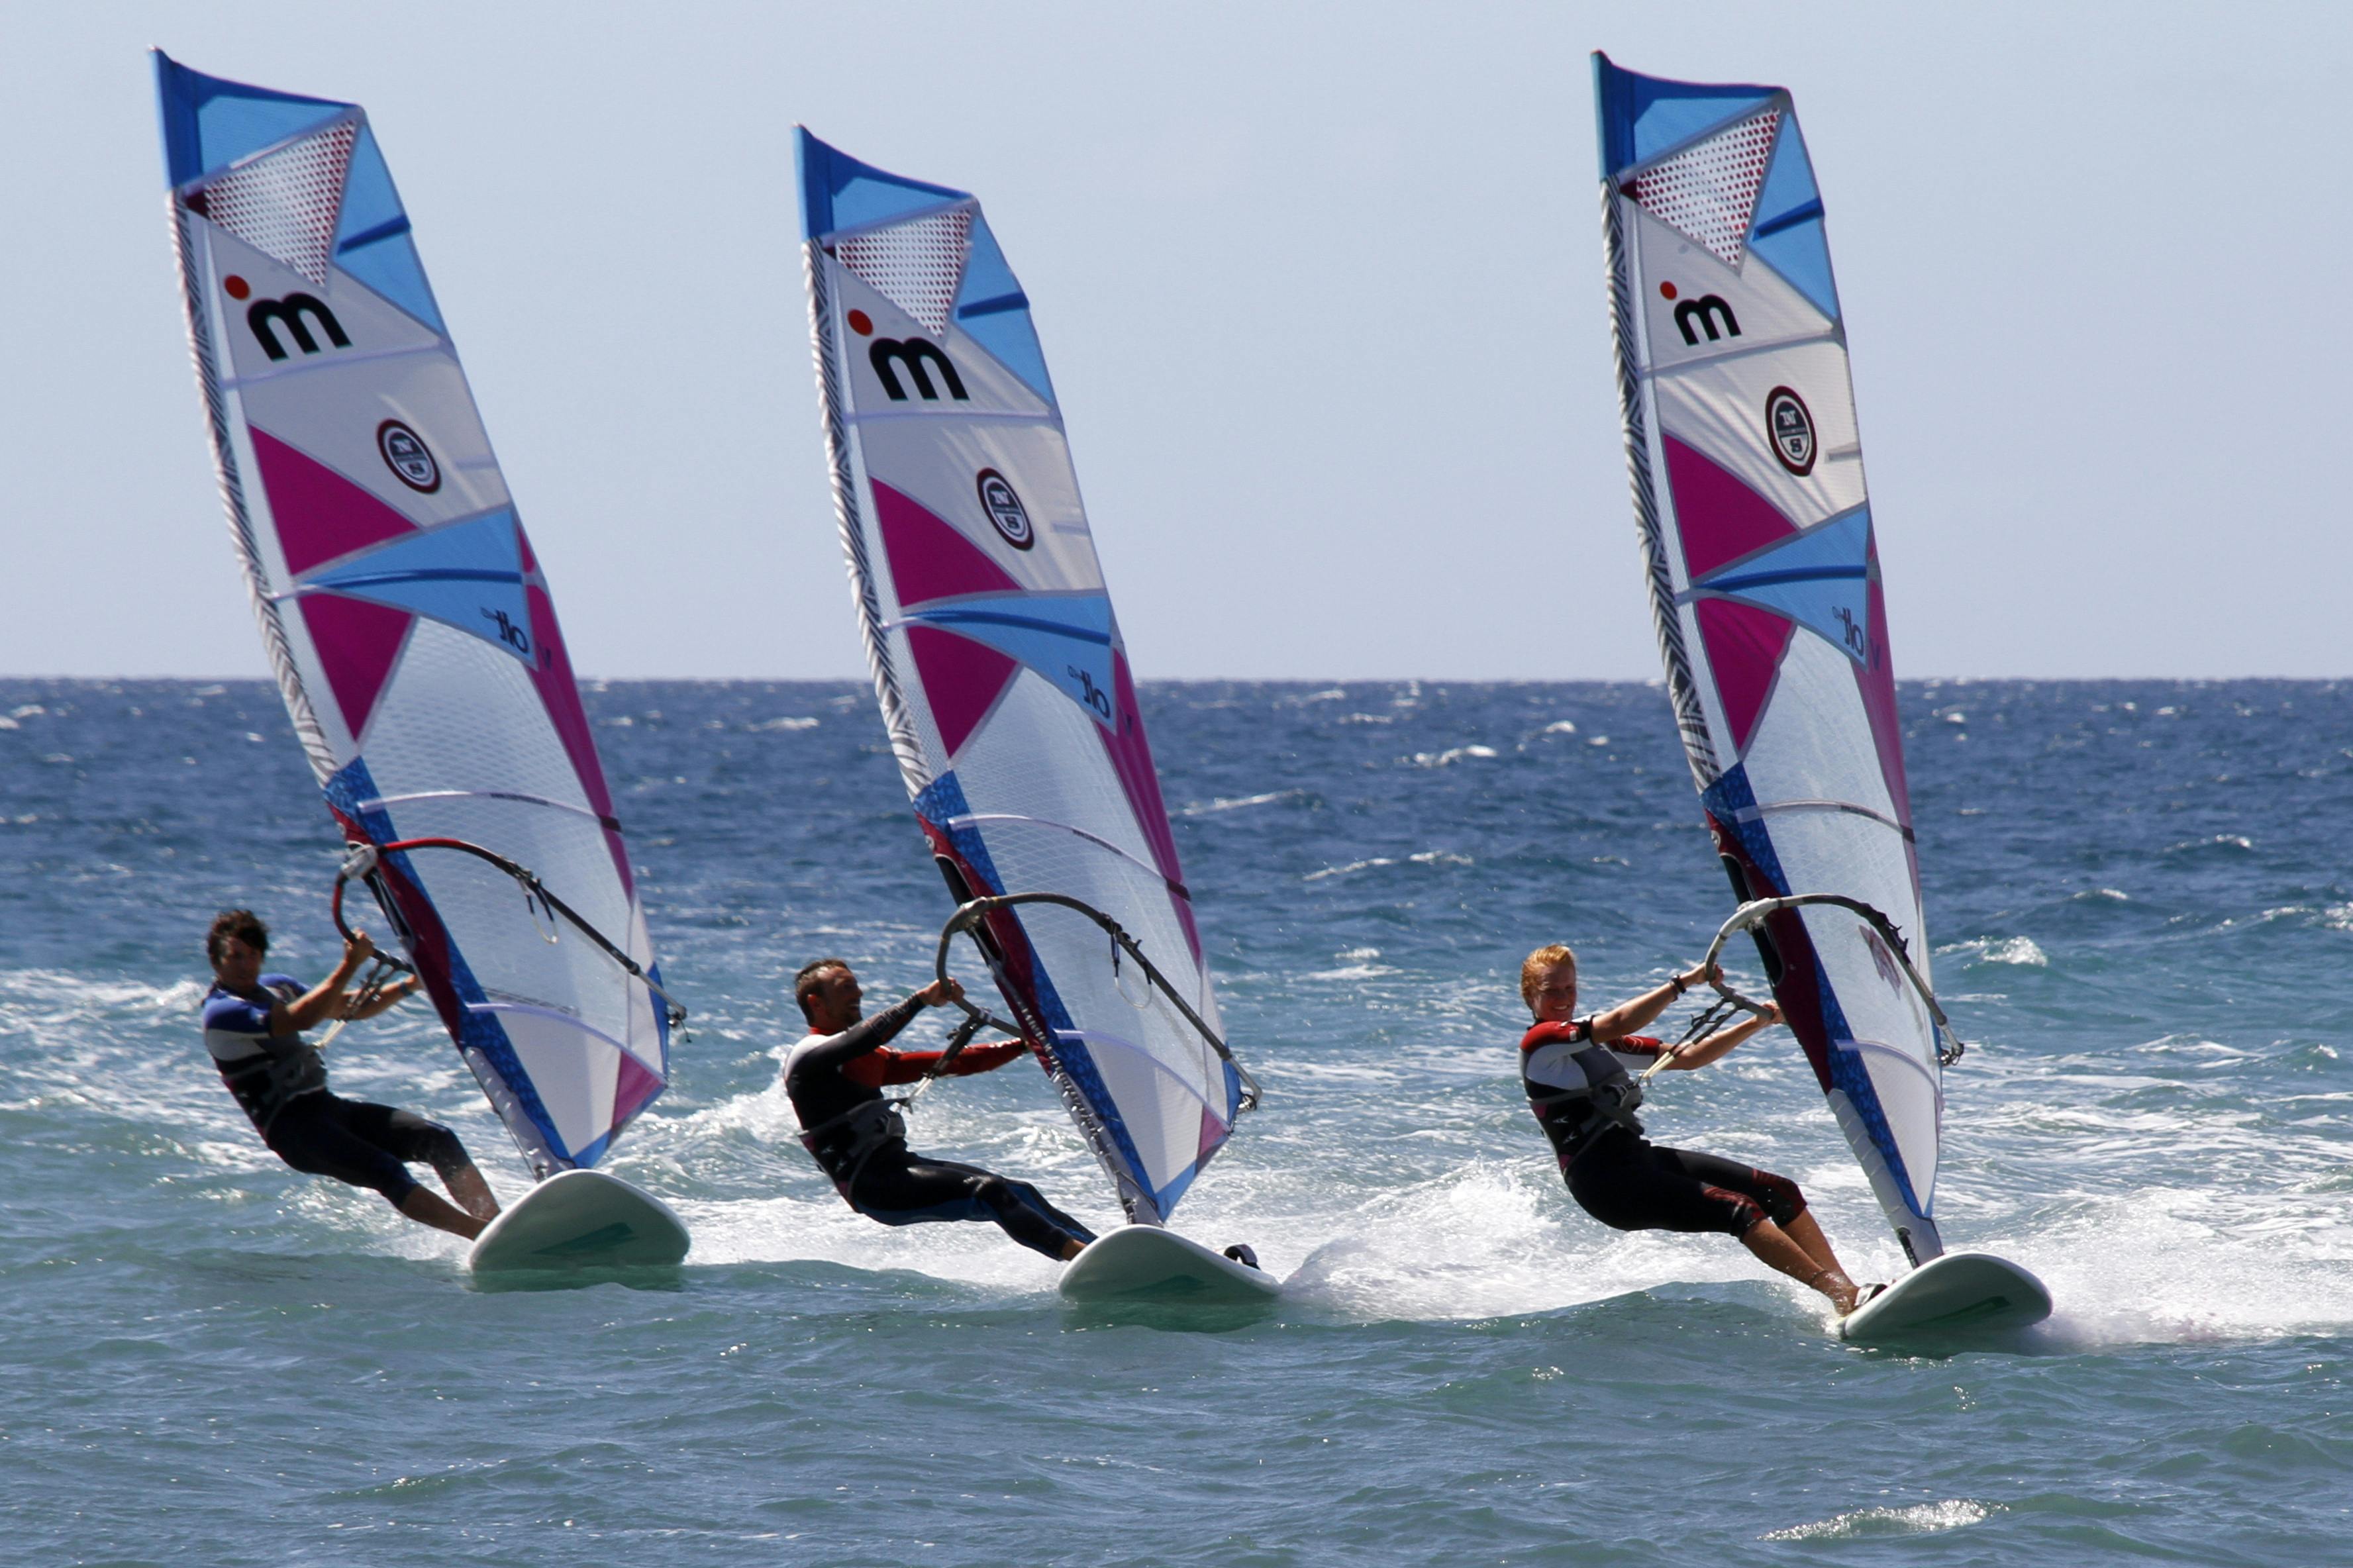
x=235, y=288
x=1666, y=291
x=862, y=323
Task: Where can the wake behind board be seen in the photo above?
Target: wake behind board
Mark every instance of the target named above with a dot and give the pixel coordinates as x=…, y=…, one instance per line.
x=1146, y=1262
x=582, y=1218
x=1961, y=1291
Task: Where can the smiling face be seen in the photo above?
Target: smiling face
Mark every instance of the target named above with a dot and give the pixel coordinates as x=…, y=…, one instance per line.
x=237, y=963
x=1553, y=998
x=831, y=999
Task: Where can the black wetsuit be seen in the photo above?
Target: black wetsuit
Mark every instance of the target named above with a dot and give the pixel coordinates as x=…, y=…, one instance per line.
x=1584, y=1098
x=281, y=1083
x=836, y=1082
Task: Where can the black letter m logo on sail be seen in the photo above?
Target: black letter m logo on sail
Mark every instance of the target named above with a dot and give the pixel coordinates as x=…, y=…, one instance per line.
x=1704, y=312
x=292, y=313
x=917, y=355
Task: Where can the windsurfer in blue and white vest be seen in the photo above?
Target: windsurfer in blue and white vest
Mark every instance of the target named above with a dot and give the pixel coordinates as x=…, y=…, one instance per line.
x=835, y=1077
x=1576, y=1073
x=253, y=1030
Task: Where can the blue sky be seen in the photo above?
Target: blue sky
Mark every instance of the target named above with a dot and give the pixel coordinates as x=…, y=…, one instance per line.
x=1320, y=287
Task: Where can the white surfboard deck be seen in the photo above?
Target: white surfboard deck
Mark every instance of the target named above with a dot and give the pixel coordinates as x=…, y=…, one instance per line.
x=1959, y=1291
x=1146, y=1262
x=581, y=1219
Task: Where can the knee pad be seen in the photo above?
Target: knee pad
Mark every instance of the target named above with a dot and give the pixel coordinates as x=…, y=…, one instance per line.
x=1782, y=1199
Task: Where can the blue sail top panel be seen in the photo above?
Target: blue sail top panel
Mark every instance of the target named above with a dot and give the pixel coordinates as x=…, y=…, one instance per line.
x=210, y=123
x=1640, y=117
x=838, y=191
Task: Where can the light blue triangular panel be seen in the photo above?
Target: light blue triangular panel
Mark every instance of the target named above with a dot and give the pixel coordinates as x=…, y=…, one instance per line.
x=866, y=200
x=1672, y=119
x=1789, y=185
x=390, y=268
x=1785, y=230
x=464, y=575
x=991, y=306
x=1066, y=638
x=988, y=278
x=1008, y=336
x=369, y=201
x=1819, y=579
x=1801, y=253
x=233, y=127
x=373, y=243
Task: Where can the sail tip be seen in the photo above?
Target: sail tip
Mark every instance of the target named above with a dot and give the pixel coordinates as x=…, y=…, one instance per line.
x=210, y=122
x=839, y=191
x=1637, y=117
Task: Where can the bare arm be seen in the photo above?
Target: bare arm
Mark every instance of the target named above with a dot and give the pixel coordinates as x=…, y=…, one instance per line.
x=323, y=999
x=1629, y=1016
x=391, y=996
x=1699, y=1053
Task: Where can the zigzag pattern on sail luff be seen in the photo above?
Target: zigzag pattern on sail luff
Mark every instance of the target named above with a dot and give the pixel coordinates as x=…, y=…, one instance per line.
x=307, y=727
x=1683, y=689
x=897, y=722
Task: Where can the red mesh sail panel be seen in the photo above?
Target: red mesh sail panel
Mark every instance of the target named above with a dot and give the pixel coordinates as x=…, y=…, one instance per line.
x=285, y=203
x=1709, y=191
x=915, y=264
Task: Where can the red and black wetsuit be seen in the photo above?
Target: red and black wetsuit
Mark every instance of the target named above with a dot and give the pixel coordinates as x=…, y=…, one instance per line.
x=836, y=1083
x=1584, y=1096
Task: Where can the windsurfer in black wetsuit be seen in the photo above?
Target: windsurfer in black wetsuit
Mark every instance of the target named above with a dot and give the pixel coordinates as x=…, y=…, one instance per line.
x=1575, y=1071
x=835, y=1076
x=253, y=1030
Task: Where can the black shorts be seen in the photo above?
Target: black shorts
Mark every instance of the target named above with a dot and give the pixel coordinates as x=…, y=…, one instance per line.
x=1630, y=1184
x=366, y=1145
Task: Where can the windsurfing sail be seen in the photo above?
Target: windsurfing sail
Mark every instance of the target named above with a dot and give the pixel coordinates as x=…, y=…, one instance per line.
x=1003, y=683
x=1764, y=583
x=404, y=615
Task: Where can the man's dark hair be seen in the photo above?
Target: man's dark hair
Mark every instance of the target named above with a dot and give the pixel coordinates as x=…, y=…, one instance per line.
x=243, y=924
x=804, y=983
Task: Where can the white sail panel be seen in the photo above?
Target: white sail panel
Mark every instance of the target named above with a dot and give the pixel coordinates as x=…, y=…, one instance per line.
x=1003, y=678
x=1749, y=486
x=405, y=616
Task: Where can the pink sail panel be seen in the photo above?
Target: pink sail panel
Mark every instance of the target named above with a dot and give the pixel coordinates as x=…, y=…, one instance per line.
x=321, y=515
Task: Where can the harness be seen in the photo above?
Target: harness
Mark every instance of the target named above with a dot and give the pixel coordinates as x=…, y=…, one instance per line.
x=1610, y=1094
x=265, y=1087
x=873, y=1123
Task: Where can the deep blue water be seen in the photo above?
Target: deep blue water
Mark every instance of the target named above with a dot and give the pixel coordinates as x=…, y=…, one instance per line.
x=2141, y=912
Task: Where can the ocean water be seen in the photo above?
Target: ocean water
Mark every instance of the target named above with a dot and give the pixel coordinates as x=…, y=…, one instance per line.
x=2141, y=915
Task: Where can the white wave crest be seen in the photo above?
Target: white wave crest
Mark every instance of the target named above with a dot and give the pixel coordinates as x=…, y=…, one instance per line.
x=1923, y=1519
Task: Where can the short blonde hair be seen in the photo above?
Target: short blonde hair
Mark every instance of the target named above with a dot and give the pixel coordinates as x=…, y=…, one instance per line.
x=1542, y=959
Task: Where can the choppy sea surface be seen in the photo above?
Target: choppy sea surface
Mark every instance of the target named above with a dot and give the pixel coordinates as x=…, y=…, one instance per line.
x=2141, y=916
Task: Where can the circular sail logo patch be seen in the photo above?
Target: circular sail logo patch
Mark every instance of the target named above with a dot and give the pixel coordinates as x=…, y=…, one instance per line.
x=1005, y=509
x=1790, y=424
x=405, y=455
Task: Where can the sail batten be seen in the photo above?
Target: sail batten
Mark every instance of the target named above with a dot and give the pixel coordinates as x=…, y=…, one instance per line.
x=1757, y=538
x=1003, y=678
x=405, y=616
